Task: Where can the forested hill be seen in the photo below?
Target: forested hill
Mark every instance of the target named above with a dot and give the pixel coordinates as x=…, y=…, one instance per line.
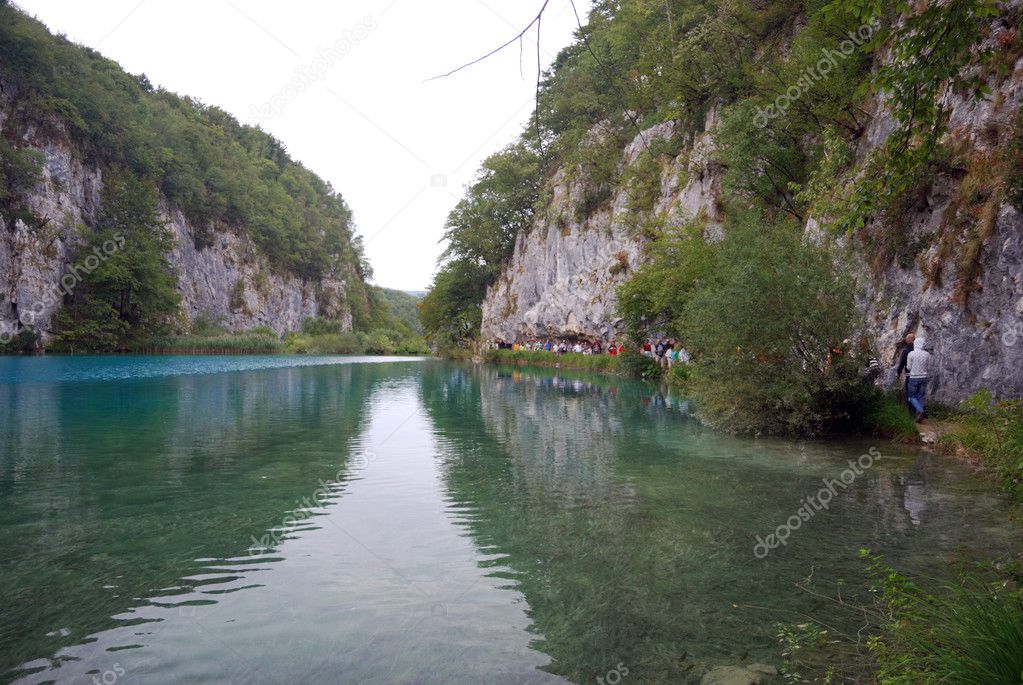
x=270, y=242
x=767, y=181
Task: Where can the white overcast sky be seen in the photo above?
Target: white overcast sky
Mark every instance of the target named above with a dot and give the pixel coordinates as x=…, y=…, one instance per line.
x=399, y=149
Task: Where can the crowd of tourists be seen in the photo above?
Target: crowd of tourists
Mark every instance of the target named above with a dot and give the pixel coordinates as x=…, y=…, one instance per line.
x=665, y=352
x=915, y=360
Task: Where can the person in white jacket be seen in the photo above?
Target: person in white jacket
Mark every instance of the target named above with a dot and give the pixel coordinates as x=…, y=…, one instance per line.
x=918, y=364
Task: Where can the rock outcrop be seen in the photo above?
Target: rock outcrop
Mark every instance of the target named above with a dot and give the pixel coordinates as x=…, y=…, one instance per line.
x=562, y=277
x=229, y=281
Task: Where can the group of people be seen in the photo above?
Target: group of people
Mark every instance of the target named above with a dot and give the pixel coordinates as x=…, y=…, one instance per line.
x=667, y=353
x=915, y=362
x=561, y=346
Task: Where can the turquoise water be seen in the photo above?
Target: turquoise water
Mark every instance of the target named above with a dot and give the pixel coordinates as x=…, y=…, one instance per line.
x=289, y=519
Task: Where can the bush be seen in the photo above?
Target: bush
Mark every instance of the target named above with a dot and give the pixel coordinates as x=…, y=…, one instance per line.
x=24, y=341
x=256, y=341
x=678, y=375
x=602, y=363
x=765, y=331
x=316, y=325
x=639, y=366
x=355, y=342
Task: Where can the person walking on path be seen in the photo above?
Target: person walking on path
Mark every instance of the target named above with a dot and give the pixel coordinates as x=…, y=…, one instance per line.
x=918, y=364
x=910, y=338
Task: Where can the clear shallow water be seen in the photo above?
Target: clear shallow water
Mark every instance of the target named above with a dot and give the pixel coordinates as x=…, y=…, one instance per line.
x=281, y=519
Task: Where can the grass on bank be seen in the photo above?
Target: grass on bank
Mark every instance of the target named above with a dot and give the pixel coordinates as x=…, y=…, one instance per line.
x=318, y=336
x=991, y=434
x=967, y=631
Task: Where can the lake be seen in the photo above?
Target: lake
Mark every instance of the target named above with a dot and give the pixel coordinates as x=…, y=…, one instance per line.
x=379, y=520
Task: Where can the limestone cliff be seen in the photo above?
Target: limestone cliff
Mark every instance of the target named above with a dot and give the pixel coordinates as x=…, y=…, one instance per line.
x=562, y=278
x=228, y=280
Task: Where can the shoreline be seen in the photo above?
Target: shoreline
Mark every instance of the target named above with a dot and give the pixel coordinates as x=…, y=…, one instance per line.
x=948, y=436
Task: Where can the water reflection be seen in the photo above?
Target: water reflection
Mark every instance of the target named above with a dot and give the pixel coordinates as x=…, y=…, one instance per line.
x=424, y=523
x=124, y=501
x=629, y=528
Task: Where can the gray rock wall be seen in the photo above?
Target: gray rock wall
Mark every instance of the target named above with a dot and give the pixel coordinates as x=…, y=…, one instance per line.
x=230, y=280
x=562, y=277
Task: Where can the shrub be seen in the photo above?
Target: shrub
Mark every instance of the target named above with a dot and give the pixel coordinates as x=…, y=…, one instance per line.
x=603, y=363
x=970, y=634
x=637, y=365
x=764, y=332
x=316, y=325
x=256, y=341
x=25, y=340
x=679, y=375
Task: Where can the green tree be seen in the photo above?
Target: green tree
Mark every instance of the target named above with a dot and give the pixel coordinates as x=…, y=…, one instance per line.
x=451, y=311
x=654, y=299
x=131, y=294
x=764, y=331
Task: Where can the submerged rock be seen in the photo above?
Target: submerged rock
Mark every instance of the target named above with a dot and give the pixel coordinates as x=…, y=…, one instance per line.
x=753, y=674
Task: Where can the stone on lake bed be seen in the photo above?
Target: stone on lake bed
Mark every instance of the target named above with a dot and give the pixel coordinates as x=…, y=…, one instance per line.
x=753, y=674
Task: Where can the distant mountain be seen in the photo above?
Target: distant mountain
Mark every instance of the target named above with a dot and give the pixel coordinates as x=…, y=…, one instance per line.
x=402, y=305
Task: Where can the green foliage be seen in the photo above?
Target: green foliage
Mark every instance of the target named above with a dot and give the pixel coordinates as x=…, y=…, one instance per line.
x=355, y=342
x=762, y=333
x=480, y=233
x=654, y=298
x=679, y=375
x=933, y=45
x=992, y=432
x=643, y=181
x=258, y=340
x=602, y=363
x=204, y=161
x=24, y=341
x=889, y=418
x=320, y=326
x=403, y=306
x=20, y=170
x=971, y=633
x=496, y=207
x=121, y=290
x=451, y=312
x=632, y=363
x=206, y=324
x=790, y=81
x=1013, y=159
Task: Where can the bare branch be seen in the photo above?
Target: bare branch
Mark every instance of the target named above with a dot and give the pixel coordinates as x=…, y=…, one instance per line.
x=535, y=22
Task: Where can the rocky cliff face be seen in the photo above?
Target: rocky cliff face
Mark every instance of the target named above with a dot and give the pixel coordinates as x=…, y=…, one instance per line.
x=229, y=281
x=562, y=278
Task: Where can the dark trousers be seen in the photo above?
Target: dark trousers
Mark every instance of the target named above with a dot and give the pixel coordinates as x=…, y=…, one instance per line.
x=917, y=393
